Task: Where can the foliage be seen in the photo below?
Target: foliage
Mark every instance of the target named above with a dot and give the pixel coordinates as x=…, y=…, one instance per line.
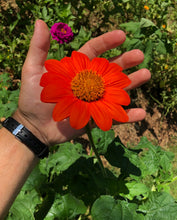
x=70, y=185
x=8, y=99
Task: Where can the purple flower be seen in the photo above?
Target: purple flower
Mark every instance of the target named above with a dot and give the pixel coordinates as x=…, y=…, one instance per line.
x=62, y=33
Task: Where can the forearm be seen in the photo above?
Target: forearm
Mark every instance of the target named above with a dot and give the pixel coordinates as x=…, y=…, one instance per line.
x=16, y=163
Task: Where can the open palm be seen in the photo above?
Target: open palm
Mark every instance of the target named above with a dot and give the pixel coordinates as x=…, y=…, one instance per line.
x=37, y=116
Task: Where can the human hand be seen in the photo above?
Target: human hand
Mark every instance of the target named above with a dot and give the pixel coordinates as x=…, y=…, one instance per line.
x=37, y=116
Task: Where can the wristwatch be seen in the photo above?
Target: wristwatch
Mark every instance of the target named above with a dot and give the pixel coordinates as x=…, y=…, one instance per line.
x=26, y=137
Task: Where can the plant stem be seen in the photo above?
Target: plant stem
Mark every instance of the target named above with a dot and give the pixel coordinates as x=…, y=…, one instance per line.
x=88, y=130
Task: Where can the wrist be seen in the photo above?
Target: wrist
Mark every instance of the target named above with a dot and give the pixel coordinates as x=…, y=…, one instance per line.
x=29, y=123
x=26, y=133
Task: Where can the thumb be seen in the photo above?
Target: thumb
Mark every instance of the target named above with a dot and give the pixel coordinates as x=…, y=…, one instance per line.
x=39, y=47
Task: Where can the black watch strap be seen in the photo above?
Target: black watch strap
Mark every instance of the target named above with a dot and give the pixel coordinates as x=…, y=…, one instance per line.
x=26, y=137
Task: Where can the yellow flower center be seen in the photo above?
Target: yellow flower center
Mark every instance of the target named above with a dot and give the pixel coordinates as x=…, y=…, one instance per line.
x=88, y=86
x=63, y=30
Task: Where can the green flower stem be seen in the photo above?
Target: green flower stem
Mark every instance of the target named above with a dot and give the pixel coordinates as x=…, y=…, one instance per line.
x=88, y=130
x=61, y=51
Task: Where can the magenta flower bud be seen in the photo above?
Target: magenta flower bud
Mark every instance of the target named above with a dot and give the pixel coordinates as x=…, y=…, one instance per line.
x=62, y=33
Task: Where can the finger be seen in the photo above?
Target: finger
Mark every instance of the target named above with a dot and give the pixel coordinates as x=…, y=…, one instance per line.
x=136, y=114
x=39, y=46
x=129, y=59
x=138, y=78
x=99, y=45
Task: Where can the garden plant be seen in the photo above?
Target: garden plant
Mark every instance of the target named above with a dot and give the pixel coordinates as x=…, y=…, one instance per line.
x=95, y=177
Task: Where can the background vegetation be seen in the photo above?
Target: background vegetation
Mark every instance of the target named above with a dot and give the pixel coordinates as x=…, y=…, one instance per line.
x=74, y=188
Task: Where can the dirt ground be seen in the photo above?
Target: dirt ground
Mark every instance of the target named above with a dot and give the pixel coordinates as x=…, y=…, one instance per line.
x=157, y=128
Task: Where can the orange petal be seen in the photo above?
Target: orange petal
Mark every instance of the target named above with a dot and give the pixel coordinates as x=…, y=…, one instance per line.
x=113, y=68
x=99, y=65
x=62, y=109
x=80, y=114
x=80, y=61
x=101, y=115
x=49, y=78
x=57, y=67
x=68, y=66
x=118, y=79
x=53, y=92
x=116, y=95
x=117, y=112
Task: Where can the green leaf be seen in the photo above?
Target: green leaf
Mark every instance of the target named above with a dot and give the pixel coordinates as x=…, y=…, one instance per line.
x=61, y=160
x=160, y=48
x=159, y=206
x=35, y=180
x=102, y=139
x=107, y=208
x=66, y=207
x=144, y=23
x=82, y=37
x=131, y=26
x=133, y=43
x=119, y=156
x=147, y=54
x=24, y=206
x=44, y=12
x=149, y=161
x=136, y=190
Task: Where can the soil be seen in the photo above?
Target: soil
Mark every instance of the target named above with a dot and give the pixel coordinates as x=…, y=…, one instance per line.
x=156, y=127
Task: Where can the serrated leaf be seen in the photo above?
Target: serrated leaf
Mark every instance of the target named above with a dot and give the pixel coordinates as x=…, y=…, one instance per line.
x=61, y=160
x=82, y=37
x=160, y=47
x=66, y=207
x=136, y=189
x=144, y=23
x=24, y=206
x=133, y=43
x=116, y=157
x=35, y=180
x=147, y=54
x=133, y=27
x=102, y=139
x=159, y=206
x=149, y=161
x=107, y=208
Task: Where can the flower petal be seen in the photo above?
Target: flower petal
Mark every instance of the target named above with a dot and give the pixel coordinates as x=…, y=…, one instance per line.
x=99, y=65
x=53, y=93
x=116, y=95
x=114, y=67
x=62, y=109
x=101, y=115
x=117, y=112
x=120, y=80
x=80, y=61
x=68, y=66
x=49, y=78
x=115, y=76
x=57, y=67
x=80, y=114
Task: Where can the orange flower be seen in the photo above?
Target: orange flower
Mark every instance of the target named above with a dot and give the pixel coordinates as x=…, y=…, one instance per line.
x=84, y=89
x=146, y=7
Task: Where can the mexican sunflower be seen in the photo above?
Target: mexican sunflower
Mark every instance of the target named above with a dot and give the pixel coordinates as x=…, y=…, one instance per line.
x=84, y=89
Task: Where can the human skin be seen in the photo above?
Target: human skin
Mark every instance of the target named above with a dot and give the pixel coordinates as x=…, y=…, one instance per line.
x=16, y=160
